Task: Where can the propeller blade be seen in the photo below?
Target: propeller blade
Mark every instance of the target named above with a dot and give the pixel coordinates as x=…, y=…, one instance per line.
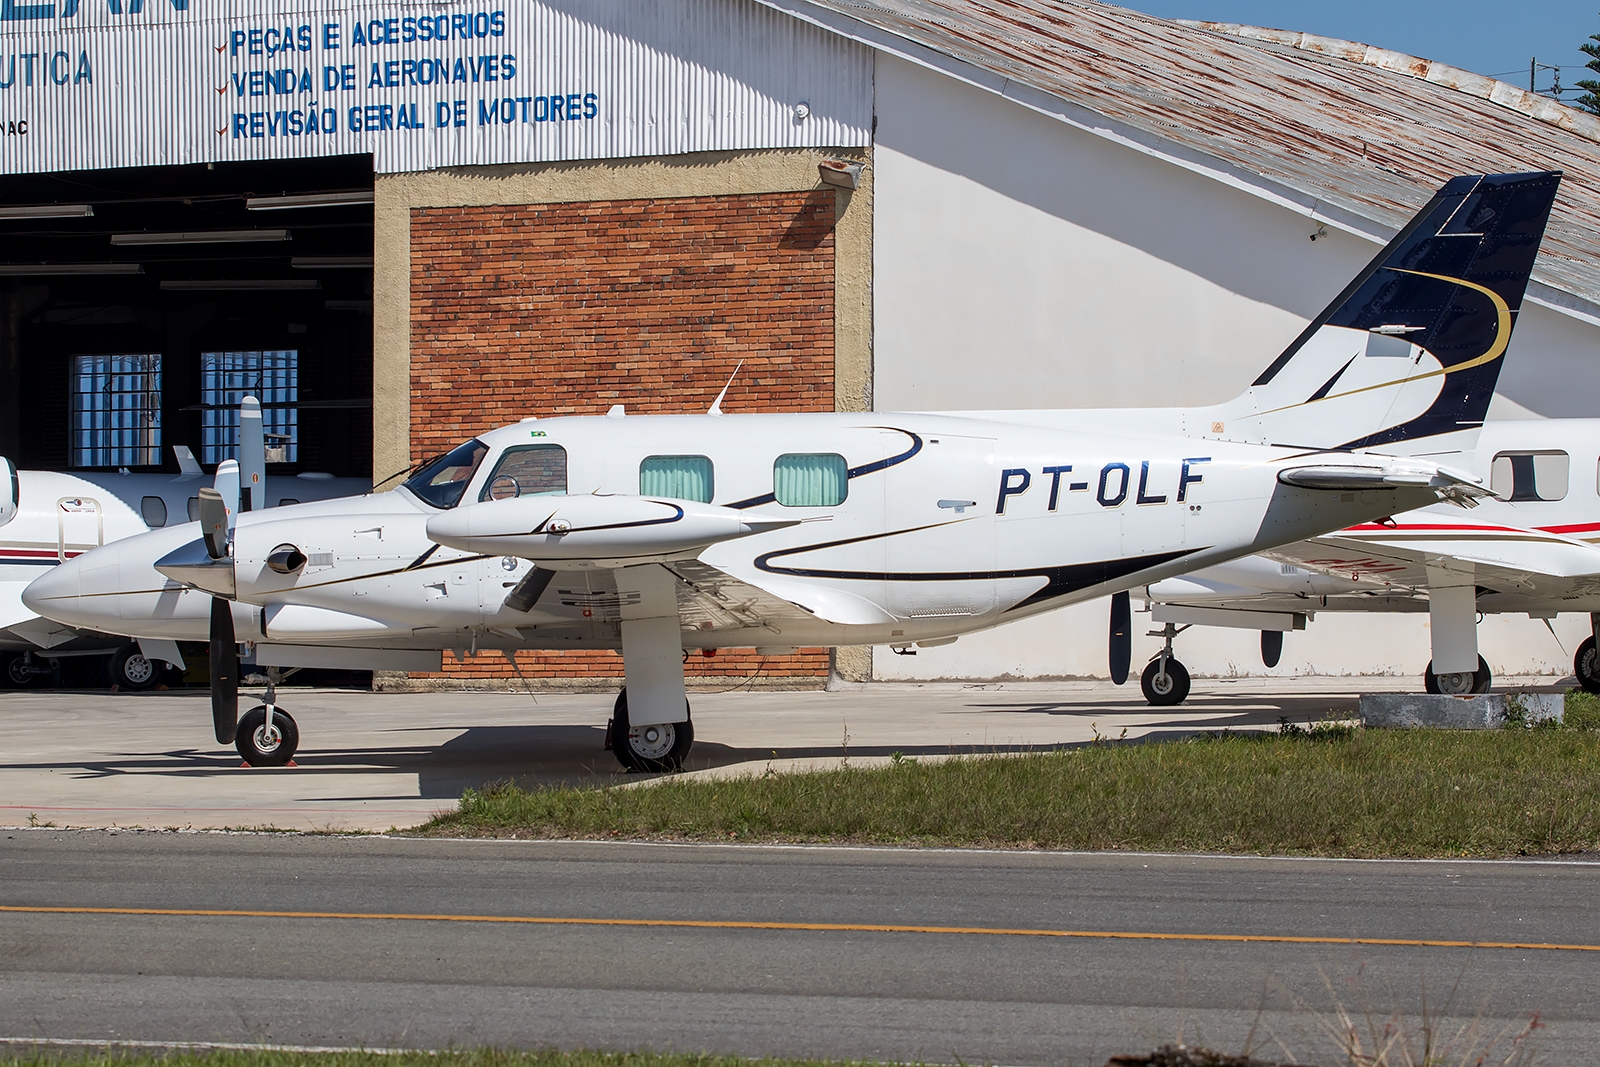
x=1271, y=647
x=214, y=523
x=224, y=672
x=226, y=484
x=1121, y=637
x=252, y=456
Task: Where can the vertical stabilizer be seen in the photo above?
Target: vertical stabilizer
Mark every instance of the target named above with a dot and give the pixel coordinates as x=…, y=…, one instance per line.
x=1410, y=352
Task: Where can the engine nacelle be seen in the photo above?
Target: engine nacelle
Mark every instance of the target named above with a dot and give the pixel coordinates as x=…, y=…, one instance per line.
x=593, y=531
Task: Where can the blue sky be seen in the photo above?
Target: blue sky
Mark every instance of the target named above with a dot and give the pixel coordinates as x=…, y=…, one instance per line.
x=1490, y=38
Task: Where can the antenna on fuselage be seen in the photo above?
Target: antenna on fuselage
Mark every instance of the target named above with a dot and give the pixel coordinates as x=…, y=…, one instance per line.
x=716, y=405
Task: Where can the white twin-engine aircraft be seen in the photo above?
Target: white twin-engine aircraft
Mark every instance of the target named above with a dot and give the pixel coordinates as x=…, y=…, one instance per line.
x=663, y=534
x=1533, y=547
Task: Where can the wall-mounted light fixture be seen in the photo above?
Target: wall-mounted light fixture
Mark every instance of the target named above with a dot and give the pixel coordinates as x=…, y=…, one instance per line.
x=840, y=172
x=331, y=262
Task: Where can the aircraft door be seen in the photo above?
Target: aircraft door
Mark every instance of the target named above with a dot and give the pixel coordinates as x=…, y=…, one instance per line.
x=940, y=557
x=80, y=526
x=10, y=491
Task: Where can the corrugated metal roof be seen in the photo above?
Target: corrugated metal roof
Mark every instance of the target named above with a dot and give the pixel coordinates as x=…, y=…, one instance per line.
x=1361, y=131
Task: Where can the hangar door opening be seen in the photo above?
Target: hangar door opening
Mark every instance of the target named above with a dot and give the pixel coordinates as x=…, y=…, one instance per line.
x=137, y=306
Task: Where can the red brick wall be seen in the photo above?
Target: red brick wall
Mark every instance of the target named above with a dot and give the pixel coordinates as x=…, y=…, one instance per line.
x=560, y=309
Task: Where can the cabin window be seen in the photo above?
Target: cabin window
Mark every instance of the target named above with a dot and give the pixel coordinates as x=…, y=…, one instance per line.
x=444, y=479
x=154, y=512
x=677, y=477
x=228, y=377
x=1526, y=476
x=532, y=470
x=194, y=509
x=116, y=411
x=810, y=480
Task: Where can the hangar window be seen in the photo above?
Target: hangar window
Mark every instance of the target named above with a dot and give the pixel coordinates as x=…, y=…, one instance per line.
x=116, y=411
x=677, y=477
x=810, y=480
x=1522, y=476
x=531, y=470
x=226, y=378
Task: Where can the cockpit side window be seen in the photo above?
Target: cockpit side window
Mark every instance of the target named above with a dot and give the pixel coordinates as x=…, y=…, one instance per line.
x=442, y=481
x=531, y=470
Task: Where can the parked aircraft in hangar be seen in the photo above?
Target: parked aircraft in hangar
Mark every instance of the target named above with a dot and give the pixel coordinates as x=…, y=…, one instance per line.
x=49, y=517
x=662, y=534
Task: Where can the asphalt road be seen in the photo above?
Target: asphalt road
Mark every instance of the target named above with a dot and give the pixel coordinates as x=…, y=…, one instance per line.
x=419, y=979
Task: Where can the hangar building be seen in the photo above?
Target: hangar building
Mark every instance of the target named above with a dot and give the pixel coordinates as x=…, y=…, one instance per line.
x=404, y=224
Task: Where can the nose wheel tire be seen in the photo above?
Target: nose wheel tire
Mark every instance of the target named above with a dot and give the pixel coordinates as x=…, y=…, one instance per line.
x=131, y=669
x=1586, y=665
x=649, y=749
x=266, y=746
x=1458, y=685
x=1163, y=688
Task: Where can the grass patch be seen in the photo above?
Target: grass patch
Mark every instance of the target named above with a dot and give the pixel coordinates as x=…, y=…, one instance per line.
x=59, y=1056
x=1581, y=710
x=1327, y=792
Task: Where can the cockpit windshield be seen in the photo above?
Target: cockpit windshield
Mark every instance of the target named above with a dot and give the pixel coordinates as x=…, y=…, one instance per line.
x=442, y=481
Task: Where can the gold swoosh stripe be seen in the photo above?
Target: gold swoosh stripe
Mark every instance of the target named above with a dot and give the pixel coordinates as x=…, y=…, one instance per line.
x=1496, y=350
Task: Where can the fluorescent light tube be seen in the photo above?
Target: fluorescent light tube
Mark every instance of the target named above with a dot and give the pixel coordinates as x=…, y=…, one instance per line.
x=200, y=237
x=284, y=203
x=331, y=262
x=47, y=211
x=241, y=284
x=12, y=269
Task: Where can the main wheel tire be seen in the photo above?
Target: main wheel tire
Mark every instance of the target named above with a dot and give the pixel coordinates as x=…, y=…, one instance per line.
x=1458, y=685
x=1165, y=689
x=649, y=749
x=16, y=673
x=262, y=747
x=1586, y=665
x=131, y=669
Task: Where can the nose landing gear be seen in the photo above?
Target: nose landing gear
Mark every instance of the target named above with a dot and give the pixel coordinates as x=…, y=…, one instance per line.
x=267, y=736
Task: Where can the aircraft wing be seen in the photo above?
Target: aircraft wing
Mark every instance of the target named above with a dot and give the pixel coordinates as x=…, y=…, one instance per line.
x=1524, y=562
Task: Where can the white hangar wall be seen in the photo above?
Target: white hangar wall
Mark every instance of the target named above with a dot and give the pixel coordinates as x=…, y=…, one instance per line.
x=1020, y=262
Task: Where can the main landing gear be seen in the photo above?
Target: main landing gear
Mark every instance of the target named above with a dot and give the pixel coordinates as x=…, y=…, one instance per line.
x=1165, y=681
x=1461, y=683
x=648, y=749
x=1586, y=665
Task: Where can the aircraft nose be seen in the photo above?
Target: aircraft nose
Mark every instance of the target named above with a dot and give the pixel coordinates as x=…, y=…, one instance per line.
x=56, y=594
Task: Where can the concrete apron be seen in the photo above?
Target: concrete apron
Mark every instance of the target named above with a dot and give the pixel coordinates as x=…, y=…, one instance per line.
x=371, y=761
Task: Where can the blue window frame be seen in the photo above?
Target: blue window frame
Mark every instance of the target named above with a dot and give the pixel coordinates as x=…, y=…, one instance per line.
x=810, y=480
x=116, y=410
x=227, y=377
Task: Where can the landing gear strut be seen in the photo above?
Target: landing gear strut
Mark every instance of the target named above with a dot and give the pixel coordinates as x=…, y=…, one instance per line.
x=267, y=736
x=649, y=749
x=1165, y=681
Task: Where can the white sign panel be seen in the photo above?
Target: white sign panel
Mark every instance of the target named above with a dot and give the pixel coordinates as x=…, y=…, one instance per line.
x=121, y=83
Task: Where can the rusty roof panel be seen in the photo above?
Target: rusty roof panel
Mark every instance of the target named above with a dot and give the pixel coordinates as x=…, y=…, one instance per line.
x=1367, y=130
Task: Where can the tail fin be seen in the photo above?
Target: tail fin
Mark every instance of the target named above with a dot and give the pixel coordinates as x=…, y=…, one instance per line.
x=1411, y=349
